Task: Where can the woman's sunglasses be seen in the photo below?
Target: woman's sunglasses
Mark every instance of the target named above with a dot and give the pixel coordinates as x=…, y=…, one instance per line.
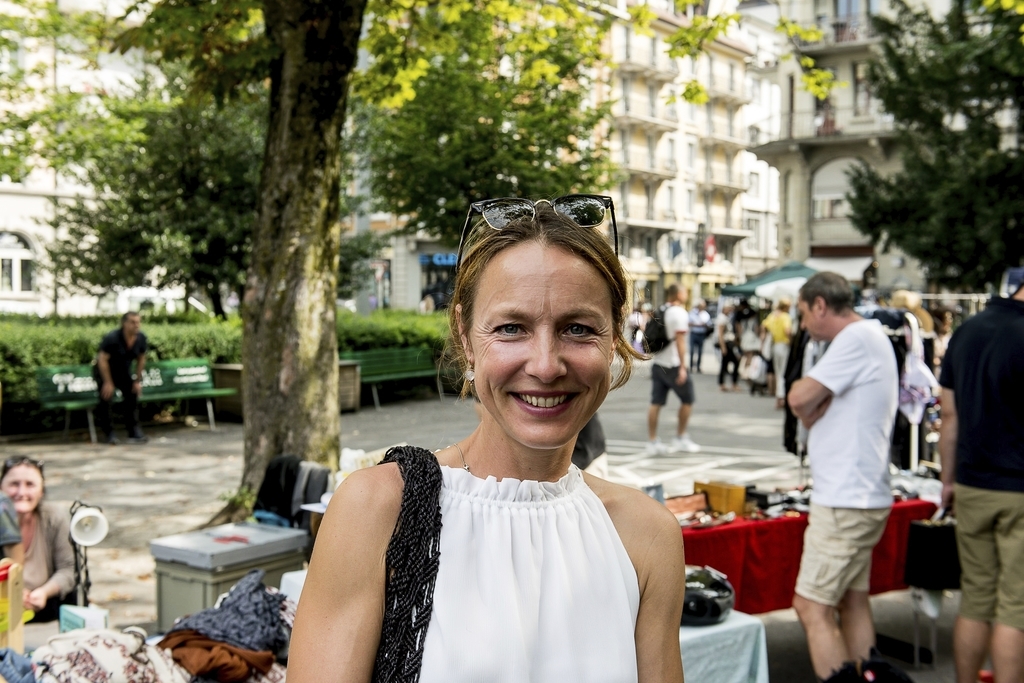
x=586, y=210
x=21, y=460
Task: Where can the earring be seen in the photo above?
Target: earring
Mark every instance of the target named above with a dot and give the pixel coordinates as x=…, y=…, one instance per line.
x=470, y=375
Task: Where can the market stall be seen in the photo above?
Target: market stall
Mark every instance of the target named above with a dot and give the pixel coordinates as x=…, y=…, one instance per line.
x=762, y=557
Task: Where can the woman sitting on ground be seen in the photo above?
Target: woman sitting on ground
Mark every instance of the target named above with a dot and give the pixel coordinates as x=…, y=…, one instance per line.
x=49, y=573
x=538, y=572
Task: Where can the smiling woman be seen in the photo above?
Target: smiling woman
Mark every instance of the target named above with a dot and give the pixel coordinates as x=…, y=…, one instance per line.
x=529, y=569
x=49, y=559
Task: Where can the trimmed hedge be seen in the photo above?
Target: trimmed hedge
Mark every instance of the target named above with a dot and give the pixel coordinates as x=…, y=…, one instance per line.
x=27, y=343
x=23, y=348
x=391, y=329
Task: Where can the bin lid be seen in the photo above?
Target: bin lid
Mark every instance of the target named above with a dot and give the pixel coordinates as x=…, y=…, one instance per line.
x=228, y=545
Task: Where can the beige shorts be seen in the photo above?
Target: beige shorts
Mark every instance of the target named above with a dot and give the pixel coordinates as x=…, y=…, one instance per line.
x=837, y=552
x=990, y=538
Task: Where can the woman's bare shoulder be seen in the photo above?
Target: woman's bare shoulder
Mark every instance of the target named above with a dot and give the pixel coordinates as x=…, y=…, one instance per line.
x=373, y=495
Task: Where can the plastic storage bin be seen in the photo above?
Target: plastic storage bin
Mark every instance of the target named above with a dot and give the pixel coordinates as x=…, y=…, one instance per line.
x=194, y=568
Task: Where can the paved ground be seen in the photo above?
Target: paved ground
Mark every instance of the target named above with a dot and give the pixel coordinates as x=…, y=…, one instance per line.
x=172, y=484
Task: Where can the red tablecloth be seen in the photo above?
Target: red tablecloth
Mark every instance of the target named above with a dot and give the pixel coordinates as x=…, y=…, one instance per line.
x=762, y=558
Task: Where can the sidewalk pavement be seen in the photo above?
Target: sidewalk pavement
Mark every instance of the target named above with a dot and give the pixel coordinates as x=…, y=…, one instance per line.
x=172, y=484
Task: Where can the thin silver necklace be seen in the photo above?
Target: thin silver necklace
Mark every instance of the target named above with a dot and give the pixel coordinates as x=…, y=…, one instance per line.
x=464, y=465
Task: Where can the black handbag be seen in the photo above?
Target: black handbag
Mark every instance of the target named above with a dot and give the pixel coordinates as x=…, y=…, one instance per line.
x=933, y=562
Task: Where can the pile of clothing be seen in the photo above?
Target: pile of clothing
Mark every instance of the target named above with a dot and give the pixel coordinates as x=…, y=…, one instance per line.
x=242, y=639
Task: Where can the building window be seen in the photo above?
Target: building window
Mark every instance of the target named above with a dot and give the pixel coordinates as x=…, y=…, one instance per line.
x=725, y=250
x=753, y=242
x=670, y=202
x=670, y=160
x=691, y=155
x=784, y=209
x=830, y=207
x=732, y=77
x=649, y=246
x=847, y=9
x=624, y=199
x=755, y=185
x=690, y=201
x=861, y=91
x=624, y=136
x=829, y=187
x=17, y=264
x=6, y=275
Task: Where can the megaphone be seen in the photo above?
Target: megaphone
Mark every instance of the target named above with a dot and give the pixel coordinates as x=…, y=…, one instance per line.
x=88, y=526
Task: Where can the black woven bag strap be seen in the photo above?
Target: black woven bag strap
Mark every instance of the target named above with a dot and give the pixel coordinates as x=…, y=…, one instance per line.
x=412, y=561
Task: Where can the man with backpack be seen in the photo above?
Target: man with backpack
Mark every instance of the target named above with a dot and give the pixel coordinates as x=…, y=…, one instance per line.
x=665, y=336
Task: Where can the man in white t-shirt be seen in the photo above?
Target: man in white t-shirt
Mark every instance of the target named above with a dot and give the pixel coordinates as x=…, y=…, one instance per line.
x=668, y=372
x=848, y=401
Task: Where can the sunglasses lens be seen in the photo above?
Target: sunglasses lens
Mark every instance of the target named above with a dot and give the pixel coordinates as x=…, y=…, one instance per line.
x=501, y=213
x=587, y=212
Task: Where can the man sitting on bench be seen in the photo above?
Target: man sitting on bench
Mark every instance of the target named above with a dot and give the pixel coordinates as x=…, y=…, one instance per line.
x=117, y=351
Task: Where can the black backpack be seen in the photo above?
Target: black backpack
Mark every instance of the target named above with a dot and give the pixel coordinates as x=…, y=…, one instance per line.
x=655, y=333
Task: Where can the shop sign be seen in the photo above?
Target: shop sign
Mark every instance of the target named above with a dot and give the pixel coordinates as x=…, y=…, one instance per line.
x=442, y=260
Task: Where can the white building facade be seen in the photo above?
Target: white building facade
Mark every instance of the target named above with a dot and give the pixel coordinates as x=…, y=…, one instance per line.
x=686, y=187
x=814, y=142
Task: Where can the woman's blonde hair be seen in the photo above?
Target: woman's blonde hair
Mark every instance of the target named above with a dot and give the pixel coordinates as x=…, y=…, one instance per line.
x=549, y=229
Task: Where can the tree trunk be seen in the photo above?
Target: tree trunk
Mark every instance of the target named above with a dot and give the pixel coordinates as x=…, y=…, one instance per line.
x=289, y=346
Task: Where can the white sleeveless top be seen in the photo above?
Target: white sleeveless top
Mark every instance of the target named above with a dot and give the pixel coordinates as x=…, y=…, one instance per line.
x=534, y=585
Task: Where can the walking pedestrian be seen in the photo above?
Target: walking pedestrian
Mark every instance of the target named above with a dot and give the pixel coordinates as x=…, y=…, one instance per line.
x=982, y=452
x=725, y=331
x=779, y=325
x=117, y=350
x=669, y=373
x=700, y=327
x=848, y=401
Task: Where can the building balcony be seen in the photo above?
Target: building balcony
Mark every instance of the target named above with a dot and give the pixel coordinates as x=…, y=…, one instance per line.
x=722, y=90
x=771, y=139
x=650, y=168
x=836, y=231
x=642, y=213
x=646, y=62
x=764, y=62
x=641, y=112
x=727, y=183
x=841, y=34
x=721, y=135
x=734, y=232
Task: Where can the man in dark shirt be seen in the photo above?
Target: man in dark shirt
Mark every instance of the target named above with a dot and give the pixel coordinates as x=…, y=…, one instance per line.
x=982, y=449
x=117, y=351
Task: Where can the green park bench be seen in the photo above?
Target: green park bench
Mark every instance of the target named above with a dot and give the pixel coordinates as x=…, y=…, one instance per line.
x=72, y=387
x=386, y=365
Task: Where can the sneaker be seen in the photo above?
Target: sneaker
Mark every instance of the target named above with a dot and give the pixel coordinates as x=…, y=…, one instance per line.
x=684, y=444
x=656, y=447
x=111, y=439
x=138, y=437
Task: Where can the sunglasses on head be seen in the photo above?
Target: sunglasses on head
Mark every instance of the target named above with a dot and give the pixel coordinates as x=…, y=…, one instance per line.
x=21, y=460
x=585, y=210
